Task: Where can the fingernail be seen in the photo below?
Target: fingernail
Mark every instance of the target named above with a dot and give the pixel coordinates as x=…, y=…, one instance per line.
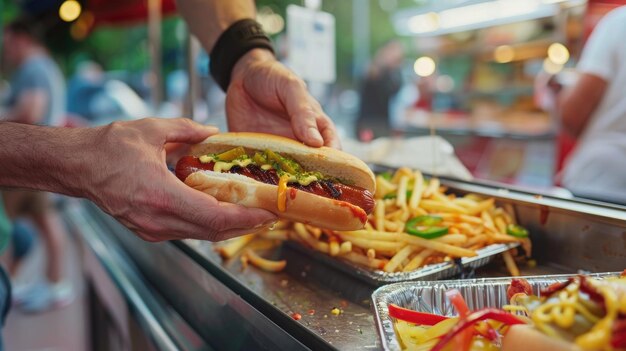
x=269, y=223
x=315, y=134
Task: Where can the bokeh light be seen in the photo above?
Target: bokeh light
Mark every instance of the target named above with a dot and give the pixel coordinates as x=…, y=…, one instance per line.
x=70, y=10
x=424, y=66
x=551, y=67
x=558, y=53
x=504, y=54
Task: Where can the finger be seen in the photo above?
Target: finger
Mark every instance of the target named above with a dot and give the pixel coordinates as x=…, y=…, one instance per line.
x=329, y=132
x=184, y=130
x=302, y=113
x=174, y=151
x=192, y=214
x=203, y=210
x=233, y=217
x=229, y=234
x=212, y=232
x=176, y=147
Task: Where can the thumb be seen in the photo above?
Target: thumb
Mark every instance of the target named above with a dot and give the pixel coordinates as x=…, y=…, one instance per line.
x=184, y=130
x=302, y=114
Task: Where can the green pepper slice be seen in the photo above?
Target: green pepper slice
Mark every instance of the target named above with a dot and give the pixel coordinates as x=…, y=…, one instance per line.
x=259, y=159
x=231, y=154
x=387, y=175
x=426, y=227
x=285, y=164
x=395, y=195
x=517, y=231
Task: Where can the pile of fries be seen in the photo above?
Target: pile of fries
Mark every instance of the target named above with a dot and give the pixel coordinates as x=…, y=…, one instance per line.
x=386, y=243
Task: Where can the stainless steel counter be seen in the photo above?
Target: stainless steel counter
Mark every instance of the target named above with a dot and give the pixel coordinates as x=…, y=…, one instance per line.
x=235, y=309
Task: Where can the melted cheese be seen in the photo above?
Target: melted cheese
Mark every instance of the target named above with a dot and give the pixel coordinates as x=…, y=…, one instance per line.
x=306, y=180
x=242, y=163
x=222, y=166
x=206, y=158
x=282, y=193
x=226, y=166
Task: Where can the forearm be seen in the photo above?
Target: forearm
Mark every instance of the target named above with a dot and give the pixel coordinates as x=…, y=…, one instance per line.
x=44, y=158
x=573, y=116
x=19, y=116
x=578, y=103
x=207, y=19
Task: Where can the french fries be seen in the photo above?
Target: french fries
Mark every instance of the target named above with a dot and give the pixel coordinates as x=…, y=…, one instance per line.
x=267, y=265
x=472, y=223
x=458, y=227
x=231, y=247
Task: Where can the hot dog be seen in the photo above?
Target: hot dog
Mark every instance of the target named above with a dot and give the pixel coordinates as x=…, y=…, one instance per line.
x=319, y=186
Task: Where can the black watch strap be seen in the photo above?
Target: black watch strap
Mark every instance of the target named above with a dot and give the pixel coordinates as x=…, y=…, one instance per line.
x=241, y=37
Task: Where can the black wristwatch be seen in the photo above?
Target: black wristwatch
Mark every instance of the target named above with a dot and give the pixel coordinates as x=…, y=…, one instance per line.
x=241, y=37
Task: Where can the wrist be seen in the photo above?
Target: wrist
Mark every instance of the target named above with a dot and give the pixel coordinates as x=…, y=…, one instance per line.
x=251, y=58
x=75, y=174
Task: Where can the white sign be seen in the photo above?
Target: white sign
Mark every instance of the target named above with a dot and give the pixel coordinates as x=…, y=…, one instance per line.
x=311, y=42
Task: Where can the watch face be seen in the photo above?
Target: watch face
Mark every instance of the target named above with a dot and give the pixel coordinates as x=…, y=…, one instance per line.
x=249, y=30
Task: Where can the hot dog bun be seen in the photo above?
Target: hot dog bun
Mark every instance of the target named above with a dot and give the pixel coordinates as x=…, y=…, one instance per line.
x=525, y=337
x=301, y=206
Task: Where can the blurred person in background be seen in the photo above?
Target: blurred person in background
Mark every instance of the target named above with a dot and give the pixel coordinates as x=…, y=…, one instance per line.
x=382, y=82
x=37, y=97
x=594, y=111
x=88, y=81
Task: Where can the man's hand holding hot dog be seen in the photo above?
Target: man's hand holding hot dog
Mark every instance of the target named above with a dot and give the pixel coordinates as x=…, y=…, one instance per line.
x=121, y=167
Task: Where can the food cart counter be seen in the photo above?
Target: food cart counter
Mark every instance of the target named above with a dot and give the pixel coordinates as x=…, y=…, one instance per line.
x=229, y=308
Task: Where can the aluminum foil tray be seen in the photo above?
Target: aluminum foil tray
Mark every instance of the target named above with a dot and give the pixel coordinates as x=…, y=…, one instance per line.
x=429, y=296
x=430, y=272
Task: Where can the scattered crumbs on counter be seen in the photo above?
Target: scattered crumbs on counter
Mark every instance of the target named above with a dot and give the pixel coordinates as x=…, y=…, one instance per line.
x=296, y=316
x=335, y=311
x=336, y=330
x=343, y=303
x=284, y=283
x=311, y=312
x=359, y=314
x=274, y=303
x=325, y=316
x=303, y=274
x=350, y=322
x=360, y=331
